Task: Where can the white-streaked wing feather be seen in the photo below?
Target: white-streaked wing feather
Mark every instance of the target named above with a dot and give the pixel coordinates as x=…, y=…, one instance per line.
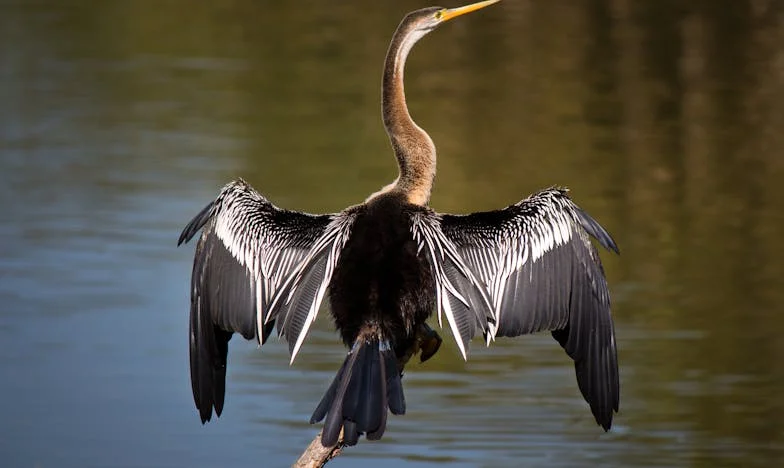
x=299, y=298
x=460, y=296
x=247, y=250
x=246, y=236
x=542, y=273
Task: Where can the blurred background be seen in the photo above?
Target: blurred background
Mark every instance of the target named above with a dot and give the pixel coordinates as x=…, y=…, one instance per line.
x=120, y=120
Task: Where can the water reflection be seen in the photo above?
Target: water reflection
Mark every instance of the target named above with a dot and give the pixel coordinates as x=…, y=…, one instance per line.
x=121, y=121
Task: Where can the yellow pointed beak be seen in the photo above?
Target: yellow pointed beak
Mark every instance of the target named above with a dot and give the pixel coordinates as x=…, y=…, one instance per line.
x=455, y=12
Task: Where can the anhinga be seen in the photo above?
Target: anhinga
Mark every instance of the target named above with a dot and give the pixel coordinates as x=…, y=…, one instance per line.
x=387, y=264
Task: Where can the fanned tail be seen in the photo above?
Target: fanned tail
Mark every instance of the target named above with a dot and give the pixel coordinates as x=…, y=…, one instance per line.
x=366, y=385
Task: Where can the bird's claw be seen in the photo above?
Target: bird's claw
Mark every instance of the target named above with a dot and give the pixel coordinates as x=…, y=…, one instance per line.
x=429, y=342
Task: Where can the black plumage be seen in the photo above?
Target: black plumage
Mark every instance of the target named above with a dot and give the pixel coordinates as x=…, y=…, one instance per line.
x=381, y=277
x=225, y=294
x=382, y=290
x=563, y=290
x=387, y=265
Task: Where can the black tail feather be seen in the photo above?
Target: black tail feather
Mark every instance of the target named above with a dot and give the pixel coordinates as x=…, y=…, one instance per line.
x=350, y=433
x=367, y=384
x=382, y=367
x=396, y=399
x=372, y=389
x=331, y=431
x=326, y=400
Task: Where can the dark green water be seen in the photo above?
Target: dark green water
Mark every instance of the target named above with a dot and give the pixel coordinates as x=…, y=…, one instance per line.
x=121, y=119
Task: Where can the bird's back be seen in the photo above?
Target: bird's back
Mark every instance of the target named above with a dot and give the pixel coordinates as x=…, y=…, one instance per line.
x=380, y=278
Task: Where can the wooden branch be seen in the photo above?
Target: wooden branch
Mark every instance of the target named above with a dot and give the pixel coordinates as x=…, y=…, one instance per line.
x=316, y=455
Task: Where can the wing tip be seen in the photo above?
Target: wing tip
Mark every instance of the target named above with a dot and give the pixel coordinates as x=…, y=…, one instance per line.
x=606, y=425
x=605, y=418
x=597, y=231
x=196, y=224
x=603, y=415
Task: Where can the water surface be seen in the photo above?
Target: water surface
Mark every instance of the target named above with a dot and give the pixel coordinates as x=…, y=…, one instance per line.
x=121, y=120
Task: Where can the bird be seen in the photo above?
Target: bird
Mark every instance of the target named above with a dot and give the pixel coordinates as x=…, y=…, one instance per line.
x=387, y=265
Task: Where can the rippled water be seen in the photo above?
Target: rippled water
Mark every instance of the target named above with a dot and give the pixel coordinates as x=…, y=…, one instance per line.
x=120, y=120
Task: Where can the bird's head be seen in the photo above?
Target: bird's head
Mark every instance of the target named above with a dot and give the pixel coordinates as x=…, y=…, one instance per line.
x=420, y=22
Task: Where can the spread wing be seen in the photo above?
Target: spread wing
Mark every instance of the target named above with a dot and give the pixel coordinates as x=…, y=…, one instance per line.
x=254, y=264
x=460, y=294
x=541, y=272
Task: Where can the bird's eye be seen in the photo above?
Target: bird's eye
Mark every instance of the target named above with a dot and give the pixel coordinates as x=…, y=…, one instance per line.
x=439, y=14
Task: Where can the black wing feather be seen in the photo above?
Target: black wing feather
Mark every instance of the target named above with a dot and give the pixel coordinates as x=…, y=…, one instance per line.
x=543, y=273
x=197, y=223
x=241, y=230
x=297, y=309
x=460, y=295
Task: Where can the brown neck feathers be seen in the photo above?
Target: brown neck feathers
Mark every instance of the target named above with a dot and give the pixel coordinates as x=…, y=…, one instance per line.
x=415, y=152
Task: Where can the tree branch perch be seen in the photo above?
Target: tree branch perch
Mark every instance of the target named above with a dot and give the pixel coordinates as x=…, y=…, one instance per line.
x=315, y=454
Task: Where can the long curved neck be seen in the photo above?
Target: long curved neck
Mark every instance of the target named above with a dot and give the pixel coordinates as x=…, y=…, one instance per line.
x=415, y=151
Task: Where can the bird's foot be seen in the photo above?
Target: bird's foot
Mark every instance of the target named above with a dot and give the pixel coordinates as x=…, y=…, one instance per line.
x=429, y=342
